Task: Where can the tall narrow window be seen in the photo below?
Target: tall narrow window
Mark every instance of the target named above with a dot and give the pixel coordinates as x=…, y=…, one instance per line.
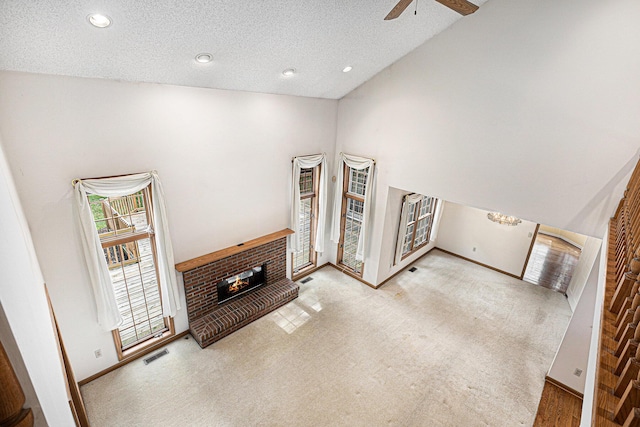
x=308, y=212
x=125, y=228
x=353, y=200
x=306, y=257
x=415, y=224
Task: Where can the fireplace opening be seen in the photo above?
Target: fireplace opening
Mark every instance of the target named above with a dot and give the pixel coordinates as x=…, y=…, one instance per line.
x=241, y=283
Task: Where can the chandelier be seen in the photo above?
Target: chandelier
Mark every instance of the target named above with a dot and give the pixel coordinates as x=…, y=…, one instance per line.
x=503, y=219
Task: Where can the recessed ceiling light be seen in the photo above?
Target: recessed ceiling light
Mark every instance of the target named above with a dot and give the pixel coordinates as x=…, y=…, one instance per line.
x=347, y=69
x=203, y=58
x=99, y=21
x=289, y=72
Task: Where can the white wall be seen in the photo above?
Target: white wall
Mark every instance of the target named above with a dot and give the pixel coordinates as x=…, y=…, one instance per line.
x=588, y=401
x=590, y=250
x=575, y=239
x=528, y=107
x=390, y=237
x=574, y=350
x=463, y=228
x=25, y=307
x=224, y=159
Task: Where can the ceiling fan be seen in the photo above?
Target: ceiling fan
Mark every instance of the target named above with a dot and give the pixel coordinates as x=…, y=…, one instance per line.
x=463, y=7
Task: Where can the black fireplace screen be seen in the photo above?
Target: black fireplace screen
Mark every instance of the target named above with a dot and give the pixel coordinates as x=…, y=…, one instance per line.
x=241, y=283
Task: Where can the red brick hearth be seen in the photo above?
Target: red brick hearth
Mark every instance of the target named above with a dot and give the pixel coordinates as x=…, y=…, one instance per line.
x=210, y=321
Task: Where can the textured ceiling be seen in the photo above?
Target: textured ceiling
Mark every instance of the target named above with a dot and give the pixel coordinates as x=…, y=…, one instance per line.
x=252, y=41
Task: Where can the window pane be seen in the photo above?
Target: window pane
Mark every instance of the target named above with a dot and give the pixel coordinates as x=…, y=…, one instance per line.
x=406, y=244
x=352, y=227
x=426, y=205
x=358, y=181
x=118, y=215
x=306, y=181
x=137, y=293
x=303, y=258
x=99, y=215
x=412, y=212
x=422, y=233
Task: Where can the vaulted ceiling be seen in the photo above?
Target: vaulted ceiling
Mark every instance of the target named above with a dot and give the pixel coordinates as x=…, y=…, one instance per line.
x=251, y=43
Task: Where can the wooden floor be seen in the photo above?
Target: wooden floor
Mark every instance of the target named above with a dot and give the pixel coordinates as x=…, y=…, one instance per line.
x=551, y=263
x=558, y=408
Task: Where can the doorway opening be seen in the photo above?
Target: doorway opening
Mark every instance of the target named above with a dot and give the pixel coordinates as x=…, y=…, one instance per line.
x=553, y=258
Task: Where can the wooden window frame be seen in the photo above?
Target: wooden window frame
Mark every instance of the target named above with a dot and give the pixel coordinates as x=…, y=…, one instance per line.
x=430, y=214
x=134, y=351
x=313, y=255
x=120, y=239
x=346, y=196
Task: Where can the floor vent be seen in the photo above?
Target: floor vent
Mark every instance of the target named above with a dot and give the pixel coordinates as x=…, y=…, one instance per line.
x=412, y=269
x=156, y=356
x=306, y=280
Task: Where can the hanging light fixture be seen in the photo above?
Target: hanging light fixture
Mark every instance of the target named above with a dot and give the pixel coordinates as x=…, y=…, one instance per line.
x=503, y=219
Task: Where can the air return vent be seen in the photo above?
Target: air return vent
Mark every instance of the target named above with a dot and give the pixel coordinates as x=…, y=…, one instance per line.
x=306, y=280
x=156, y=356
x=412, y=269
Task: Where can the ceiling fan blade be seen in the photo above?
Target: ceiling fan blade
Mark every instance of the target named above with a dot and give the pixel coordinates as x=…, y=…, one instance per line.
x=463, y=7
x=398, y=9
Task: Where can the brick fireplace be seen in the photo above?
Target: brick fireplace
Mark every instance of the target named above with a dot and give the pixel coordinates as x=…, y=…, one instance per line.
x=210, y=320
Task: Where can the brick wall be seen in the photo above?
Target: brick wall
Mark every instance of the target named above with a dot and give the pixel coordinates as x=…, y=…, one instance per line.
x=200, y=283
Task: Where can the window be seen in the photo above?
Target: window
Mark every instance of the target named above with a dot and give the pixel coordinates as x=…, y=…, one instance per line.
x=125, y=227
x=419, y=212
x=353, y=198
x=309, y=186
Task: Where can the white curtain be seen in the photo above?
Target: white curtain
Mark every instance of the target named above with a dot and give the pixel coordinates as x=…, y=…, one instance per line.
x=358, y=163
x=306, y=162
x=404, y=219
x=435, y=225
x=108, y=315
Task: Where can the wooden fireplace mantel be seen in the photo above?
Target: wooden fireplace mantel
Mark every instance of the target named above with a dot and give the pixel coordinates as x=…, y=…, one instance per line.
x=232, y=250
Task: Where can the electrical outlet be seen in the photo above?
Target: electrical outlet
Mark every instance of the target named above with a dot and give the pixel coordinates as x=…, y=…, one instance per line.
x=474, y=249
x=98, y=353
x=577, y=372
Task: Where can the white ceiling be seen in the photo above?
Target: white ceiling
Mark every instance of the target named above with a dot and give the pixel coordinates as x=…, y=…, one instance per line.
x=252, y=41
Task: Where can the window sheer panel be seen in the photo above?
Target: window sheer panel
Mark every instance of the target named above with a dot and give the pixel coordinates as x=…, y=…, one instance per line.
x=108, y=315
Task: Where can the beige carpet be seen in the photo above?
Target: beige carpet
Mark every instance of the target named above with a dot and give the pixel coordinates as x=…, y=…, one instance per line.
x=452, y=344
